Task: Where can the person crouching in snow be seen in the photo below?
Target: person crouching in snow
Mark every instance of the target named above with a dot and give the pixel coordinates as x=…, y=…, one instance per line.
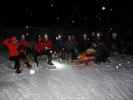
x=87, y=56
x=12, y=44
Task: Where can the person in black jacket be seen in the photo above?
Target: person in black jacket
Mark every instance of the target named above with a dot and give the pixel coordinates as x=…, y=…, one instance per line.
x=71, y=47
x=84, y=42
x=102, y=53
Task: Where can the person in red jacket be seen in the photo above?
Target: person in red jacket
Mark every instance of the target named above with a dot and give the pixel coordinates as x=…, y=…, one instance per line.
x=22, y=47
x=11, y=43
x=23, y=42
x=48, y=48
x=43, y=46
x=38, y=49
x=15, y=52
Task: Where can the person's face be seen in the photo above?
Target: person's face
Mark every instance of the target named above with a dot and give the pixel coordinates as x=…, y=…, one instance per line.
x=39, y=39
x=93, y=33
x=84, y=36
x=114, y=35
x=27, y=34
x=23, y=37
x=39, y=36
x=69, y=37
x=98, y=34
x=46, y=37
x=59, y=36
x=73, y=37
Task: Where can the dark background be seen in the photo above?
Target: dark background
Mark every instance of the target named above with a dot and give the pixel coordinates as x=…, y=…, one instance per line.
x=36, y=13
x=122, y=22
x=42, y=14
x=122, y=19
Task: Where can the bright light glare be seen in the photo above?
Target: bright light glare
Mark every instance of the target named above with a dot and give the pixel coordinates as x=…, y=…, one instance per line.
x=32, y=71
x=103, y=8
x=58, y=65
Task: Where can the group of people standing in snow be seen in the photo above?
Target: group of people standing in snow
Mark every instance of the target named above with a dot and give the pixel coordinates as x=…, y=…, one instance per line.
x=85, y=48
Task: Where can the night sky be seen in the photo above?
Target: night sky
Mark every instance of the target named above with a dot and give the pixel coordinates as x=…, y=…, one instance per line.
x=122, y=16
x=99, y=13
x=48, y=12
x=103, y=12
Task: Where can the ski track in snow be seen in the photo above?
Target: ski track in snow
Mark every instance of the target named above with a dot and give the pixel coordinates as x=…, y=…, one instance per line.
x=84, y=82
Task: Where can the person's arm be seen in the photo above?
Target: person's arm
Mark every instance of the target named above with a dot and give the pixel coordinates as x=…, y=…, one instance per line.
x=49, y=45
x=6, y=42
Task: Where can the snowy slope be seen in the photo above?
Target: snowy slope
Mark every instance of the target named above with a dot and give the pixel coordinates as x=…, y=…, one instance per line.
x=107, y=81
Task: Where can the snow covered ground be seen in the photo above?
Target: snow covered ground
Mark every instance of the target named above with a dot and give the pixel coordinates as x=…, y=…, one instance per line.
x=107, y=81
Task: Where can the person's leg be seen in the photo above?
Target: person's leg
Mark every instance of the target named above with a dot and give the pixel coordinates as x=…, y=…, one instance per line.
x=97, y=60
x=49, y=54
x=12, y=60
x=73, y=52
x=36, y=58
x=17, y=64
x=62, y=52
x=68, y=54
x=16, y=61
x=26, y=60
x=28, y=51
